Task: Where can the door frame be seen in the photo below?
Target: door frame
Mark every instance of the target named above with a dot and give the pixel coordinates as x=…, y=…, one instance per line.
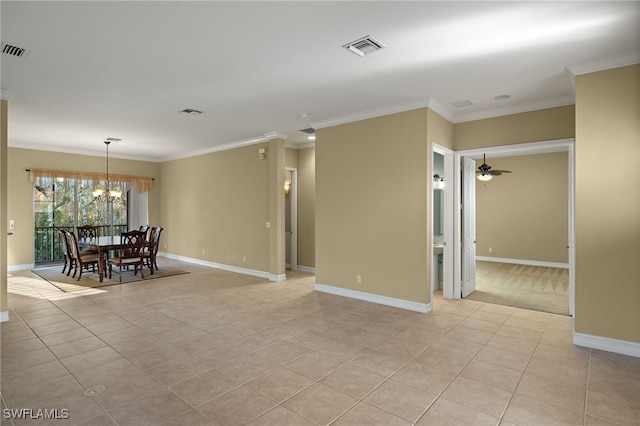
x=448, y=231
x=542, y=147
x=293, y=193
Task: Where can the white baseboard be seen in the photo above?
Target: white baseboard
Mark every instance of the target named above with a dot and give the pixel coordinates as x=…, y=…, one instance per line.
x=375, y=298
x=523, y=262
x=230, y=268
x=4, y=316
x=307, y=269
x=623, y=347
x=25, y=267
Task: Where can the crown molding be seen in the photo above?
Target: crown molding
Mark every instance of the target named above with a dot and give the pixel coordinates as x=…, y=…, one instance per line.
x=515, y=109
x=606, y=64
x=372, y=113
x=6, y=95
x=232, y=145
x=88, y=152
x=293, y=145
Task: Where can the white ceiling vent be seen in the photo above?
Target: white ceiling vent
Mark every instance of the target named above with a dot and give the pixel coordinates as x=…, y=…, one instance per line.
x=16, y=51
x=364, y=46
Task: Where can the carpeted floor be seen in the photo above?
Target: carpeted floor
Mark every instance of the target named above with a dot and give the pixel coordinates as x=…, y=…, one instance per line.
x=522, y=286
x=89, y=279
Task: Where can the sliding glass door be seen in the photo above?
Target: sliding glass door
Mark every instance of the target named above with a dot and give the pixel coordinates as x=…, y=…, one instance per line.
x=64, y=203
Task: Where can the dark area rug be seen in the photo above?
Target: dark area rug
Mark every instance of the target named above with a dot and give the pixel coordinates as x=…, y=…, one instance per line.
x=89, y=279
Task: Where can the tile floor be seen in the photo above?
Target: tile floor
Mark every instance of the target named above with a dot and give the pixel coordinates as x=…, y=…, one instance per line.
x=217, y=348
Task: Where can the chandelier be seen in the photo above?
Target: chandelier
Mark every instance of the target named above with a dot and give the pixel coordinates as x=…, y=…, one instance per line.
x=107, y=192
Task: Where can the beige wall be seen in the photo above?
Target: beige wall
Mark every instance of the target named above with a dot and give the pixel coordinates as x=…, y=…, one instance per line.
x=20, y=193
x=535, y=126
x=525, y=214
x=371, y=206
x=307, y=207
x=608, y=204
x=439, y=130
x=215, y=207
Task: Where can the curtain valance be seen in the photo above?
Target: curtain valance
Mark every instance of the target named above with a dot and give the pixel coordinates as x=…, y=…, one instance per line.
x=139, y=183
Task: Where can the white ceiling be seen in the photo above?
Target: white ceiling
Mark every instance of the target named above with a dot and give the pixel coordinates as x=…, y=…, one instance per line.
x=126, y=69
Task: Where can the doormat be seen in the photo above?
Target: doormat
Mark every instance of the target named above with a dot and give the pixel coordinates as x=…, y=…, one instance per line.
x=89, y=279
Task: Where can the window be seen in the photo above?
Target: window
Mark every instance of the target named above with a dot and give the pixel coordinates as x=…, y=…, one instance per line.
x=64, y=203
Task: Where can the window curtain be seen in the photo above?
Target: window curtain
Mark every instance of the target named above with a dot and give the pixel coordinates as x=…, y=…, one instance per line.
x=139, y=183
x=138, y=209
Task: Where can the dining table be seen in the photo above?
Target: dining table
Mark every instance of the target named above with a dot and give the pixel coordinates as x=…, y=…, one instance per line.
x=103, y=245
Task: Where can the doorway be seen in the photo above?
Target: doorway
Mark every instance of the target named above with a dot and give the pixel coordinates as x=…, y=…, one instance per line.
x=291, y=219
x=441, y=244
x=465, y=269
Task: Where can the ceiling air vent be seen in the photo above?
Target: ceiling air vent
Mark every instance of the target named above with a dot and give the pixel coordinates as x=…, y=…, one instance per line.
x=364, y=46
x=19, y=52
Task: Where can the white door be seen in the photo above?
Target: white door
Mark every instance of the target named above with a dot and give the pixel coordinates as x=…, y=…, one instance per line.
x=468, y=283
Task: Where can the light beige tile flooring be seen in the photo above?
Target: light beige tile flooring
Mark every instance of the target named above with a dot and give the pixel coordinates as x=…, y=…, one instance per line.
x=217, y=348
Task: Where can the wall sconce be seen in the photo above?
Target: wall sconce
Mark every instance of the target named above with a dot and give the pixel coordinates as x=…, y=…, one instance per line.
x=438, y=182
x=262, y=153
x=287, y=188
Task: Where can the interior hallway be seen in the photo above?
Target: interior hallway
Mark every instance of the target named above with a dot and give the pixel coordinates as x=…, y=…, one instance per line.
x=218, y=348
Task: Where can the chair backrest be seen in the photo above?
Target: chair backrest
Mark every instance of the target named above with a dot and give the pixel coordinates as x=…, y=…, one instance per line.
x=64, y=242
x=132, y=244
x=74, y=251
x=155, y=239
x=145, y=229
x=86, y=232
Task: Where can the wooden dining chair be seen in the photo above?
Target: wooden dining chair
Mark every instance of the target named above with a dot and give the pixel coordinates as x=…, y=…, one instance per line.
x=87, y=233
x=130, y=253
x=81, y=260
x=69, y=261
x=151, y=250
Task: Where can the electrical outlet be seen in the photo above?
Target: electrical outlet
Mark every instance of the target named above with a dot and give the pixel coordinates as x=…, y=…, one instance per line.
x=358, y=278
x=233, y=257
x=490, y=250
x=203, y=252
x=244, y=258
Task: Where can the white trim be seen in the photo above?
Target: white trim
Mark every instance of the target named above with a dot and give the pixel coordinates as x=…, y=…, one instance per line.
x=308, y=269
x=524, y=262
x=515, y=109
x=375, y=298
x=372, y=113
x=607, y=64
x=7, y=95
x=4, y=316
x=303, y=145
x=230, y=268
x=231, y=145
x=623, y=347
x=24, y=267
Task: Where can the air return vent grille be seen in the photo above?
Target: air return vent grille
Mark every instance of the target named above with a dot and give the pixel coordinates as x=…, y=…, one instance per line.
x=364, y=46
x=16, y=51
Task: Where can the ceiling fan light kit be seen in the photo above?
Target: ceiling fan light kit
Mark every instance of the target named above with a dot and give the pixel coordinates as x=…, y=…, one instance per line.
x=485, y=173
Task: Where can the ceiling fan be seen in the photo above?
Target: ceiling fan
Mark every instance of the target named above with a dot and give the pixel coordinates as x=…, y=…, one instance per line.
x=485, y=172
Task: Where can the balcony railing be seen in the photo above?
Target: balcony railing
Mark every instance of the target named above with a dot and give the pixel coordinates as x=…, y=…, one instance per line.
x=47, y=241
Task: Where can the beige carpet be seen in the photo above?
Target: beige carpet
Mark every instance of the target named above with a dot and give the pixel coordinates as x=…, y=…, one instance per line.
x=522, y=286
x=90, y=280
